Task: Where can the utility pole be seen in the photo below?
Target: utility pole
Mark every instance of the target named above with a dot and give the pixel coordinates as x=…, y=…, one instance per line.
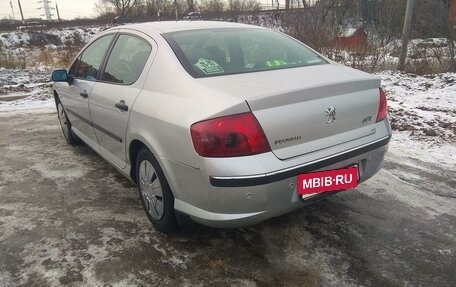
x=322, y=11
x=358, y=10
x=57, y=10
x=20, y=9
x=12, y=9
x=175, y=9
x=405, y=33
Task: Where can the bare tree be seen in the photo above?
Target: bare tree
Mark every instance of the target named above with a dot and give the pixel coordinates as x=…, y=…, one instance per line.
x=237, y=6
x=103, y=9
x=451, y=38
x=211, y=7
x=190, y=5
x=122, y=7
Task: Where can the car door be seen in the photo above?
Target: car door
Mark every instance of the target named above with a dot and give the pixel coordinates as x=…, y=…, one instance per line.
x=113, y=96
x=75, y=94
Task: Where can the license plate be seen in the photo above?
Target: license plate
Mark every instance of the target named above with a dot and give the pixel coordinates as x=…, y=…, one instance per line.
x=329, y=180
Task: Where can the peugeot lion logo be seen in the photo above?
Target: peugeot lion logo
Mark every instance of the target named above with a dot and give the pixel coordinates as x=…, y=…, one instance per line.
x=331, y=114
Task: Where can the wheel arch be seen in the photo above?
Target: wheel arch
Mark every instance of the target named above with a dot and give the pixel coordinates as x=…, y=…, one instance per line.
x=134, y=147
x=56, y=98
x=133, y=150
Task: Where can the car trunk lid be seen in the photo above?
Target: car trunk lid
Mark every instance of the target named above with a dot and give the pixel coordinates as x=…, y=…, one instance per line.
x=304, y=110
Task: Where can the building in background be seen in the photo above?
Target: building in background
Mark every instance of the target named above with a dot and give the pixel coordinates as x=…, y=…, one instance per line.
x=351, y=39
x=453, y=12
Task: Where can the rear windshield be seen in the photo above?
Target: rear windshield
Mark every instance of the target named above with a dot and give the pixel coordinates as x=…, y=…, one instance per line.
x=215, y=52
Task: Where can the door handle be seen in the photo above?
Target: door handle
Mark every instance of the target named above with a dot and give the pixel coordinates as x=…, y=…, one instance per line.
x=84, y=94
x=121, y=105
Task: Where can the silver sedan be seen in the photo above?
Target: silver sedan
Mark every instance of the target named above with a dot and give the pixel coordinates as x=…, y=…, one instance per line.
x=222, y=124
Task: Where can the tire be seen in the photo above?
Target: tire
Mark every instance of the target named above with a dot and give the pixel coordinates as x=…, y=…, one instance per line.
x=154, y=192
x=65, y=124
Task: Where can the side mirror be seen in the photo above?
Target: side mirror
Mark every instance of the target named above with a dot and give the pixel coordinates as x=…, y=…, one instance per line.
x=60, y=75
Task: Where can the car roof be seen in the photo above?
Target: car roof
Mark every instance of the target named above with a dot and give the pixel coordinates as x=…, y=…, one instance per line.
x=175, y=26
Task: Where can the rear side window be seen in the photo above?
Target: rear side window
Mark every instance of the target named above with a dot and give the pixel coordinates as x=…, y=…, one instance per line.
x=87, y=65
x=127, y=60
x=214, y=52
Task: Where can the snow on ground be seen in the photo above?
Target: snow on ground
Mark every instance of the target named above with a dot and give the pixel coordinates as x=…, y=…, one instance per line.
x=25, y=89
x=404, y=147
x=422, y=111
x=425, y=106
x=429, y=55
x=22, y=38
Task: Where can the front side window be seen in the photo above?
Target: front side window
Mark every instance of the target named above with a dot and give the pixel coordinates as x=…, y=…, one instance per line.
x=89, y=62
x=127, y=60
x=214, y=52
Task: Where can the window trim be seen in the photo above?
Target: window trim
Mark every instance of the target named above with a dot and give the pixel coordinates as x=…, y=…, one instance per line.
x=102, y=59
x=182, y=59
x=74, y=63
x=108, y=55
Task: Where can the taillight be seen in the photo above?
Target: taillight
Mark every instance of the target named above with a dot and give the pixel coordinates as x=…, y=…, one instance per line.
x=383, y=107
x=235, y=135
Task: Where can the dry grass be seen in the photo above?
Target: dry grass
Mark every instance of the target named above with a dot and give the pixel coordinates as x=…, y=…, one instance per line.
x=11, y=60
x=33, y=57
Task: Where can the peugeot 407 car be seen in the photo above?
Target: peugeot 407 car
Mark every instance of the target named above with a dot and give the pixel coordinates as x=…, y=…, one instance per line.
x=223, y=124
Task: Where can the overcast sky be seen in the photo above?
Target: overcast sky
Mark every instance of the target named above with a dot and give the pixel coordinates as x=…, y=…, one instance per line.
x=68, y=8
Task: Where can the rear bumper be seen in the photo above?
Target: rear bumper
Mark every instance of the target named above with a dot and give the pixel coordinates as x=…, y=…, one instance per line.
x=235, y=201
x=266, y=178
x=235, y=220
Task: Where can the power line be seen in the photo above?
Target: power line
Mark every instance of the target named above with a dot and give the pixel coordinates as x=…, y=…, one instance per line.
x=74, y=11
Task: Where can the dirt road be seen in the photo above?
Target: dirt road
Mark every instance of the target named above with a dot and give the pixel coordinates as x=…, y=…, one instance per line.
x=68, y=218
